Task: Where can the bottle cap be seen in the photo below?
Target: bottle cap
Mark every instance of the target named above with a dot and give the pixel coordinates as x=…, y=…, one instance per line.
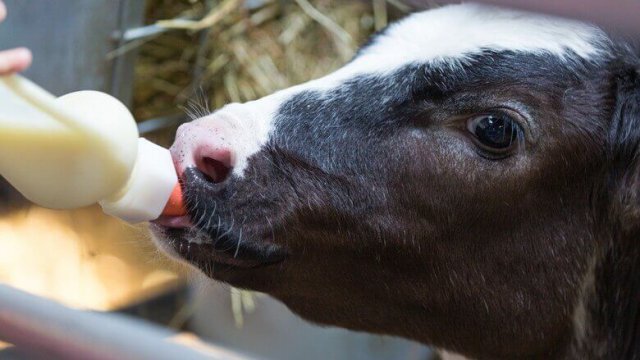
x=149, y=188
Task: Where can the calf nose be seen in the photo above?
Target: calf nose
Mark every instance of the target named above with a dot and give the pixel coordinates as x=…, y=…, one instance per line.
x=206, y=146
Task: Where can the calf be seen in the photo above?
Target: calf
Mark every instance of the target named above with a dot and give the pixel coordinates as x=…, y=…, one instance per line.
x=469, y=180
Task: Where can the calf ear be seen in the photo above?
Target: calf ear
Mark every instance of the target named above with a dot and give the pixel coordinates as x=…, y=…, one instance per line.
x=624, y=143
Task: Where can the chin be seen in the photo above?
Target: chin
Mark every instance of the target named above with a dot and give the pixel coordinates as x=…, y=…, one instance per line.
x=234, y=260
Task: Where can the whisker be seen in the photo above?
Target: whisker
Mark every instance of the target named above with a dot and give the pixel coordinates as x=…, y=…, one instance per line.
x=273, y=235
x=228, y=230
x=235, y=255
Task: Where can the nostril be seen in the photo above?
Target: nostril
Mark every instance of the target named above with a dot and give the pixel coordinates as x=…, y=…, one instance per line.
x=216, y=170
x=213, y=161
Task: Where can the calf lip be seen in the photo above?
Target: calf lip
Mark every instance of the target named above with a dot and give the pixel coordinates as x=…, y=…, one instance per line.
x=199, y=253
x=174, y=222
x=226, y=250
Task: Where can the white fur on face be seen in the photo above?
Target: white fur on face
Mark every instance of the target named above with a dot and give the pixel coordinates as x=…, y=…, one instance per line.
x=449, y=36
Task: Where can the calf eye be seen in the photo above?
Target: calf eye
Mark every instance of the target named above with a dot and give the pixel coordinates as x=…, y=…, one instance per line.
x=496, y=133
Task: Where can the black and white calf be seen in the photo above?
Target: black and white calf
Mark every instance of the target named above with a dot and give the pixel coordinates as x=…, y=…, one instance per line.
x=470, y=180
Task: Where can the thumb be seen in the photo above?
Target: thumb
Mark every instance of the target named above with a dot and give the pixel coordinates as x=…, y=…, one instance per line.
x=14, y=60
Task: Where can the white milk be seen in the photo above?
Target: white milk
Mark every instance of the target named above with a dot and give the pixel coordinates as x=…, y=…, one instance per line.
x=80, y=149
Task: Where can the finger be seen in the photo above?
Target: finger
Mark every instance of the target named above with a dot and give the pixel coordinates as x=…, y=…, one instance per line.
x=14, y=60
x=3, y=11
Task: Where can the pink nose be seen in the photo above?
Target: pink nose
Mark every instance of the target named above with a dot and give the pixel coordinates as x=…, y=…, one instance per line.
x=203, y=145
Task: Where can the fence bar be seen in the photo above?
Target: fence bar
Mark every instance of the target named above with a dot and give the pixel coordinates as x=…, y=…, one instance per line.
x=47, y=329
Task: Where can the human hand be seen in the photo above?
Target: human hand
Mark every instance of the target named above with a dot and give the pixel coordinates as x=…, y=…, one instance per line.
x=12, y=60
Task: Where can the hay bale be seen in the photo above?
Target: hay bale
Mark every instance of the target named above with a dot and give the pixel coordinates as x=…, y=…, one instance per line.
x=240, y=50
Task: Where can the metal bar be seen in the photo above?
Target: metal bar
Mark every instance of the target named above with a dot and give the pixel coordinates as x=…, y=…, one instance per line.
x=159, y=123
x=143, y=32
x=44, y=328
x=69, y=40
x=147, y=31
x=130, y=14
x=140, y=33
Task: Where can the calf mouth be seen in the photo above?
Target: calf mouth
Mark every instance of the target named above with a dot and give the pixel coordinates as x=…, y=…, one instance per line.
x=222, y=252
x=211, y=245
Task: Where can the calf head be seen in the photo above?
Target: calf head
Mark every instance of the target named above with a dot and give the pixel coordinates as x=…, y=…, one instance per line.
x=468, y=180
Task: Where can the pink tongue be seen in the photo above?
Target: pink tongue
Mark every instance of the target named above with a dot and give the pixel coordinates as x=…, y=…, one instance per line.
x=174, y=221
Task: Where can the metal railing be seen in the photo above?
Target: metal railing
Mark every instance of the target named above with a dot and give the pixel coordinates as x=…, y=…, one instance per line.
x=45, y=329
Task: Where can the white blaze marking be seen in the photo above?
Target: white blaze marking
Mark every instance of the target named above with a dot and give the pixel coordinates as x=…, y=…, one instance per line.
x=448, y=35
